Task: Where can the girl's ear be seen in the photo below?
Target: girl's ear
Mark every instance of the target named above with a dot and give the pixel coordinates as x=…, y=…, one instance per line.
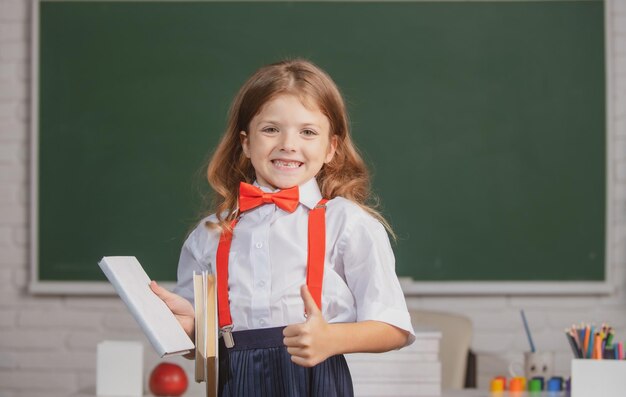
x=244, y=143
x=332, y=148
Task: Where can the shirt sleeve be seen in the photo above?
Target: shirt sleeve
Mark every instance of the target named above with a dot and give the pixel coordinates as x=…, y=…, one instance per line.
x=369, y=268
x=193, y=258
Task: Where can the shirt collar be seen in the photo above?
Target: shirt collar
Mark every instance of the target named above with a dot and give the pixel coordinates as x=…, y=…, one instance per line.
x=309, y=192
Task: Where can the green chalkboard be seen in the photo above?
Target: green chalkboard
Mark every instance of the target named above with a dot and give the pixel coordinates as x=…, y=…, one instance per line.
x=483, y=124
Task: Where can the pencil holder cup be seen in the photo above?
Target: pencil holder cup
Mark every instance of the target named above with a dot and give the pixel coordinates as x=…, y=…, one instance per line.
x=598, y=378
x=535, y=364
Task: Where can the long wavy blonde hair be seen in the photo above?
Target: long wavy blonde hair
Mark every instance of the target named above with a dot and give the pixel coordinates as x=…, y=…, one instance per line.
x=346, y=175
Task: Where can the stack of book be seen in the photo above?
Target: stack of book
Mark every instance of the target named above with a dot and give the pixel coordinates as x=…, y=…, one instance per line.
x=412, y=371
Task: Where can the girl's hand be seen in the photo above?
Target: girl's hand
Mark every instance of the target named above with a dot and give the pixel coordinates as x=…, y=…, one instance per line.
x=311, y=342
x=181, y=307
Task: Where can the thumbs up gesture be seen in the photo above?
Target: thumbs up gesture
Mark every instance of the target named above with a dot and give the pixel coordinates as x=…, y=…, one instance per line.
x=309, y=343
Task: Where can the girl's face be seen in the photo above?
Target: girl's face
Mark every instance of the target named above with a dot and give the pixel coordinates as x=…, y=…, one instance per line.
x=287, y=142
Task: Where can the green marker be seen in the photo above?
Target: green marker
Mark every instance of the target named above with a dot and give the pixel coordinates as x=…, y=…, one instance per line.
x=535, y=385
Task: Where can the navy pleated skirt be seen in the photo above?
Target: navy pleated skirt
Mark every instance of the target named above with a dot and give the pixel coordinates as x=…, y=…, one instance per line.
x=260, y=366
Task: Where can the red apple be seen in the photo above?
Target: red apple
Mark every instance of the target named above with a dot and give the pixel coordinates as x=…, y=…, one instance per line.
x=168, y=379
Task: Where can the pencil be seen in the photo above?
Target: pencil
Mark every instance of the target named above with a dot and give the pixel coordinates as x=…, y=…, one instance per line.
x=574, y=332
x=530, y=338
x=586, y=342
x=581, y=335
x=572, y=344
x=592, y=333
x=609, y=338
x=598, y=346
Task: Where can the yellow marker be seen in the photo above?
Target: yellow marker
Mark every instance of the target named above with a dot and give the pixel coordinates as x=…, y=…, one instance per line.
x=497, y=385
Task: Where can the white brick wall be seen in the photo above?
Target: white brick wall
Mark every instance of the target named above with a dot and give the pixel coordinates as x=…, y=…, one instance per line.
x=47, y=344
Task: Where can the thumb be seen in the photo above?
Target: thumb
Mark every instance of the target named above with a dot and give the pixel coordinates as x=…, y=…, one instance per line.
x=161, y=292
x=309, y=303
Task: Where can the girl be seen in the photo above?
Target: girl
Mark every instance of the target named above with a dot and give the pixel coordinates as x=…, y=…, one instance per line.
x=305, y=269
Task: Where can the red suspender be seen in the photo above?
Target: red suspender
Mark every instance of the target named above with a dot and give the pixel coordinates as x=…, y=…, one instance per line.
x=315, y=262
x=223, y=249
x=316, y=251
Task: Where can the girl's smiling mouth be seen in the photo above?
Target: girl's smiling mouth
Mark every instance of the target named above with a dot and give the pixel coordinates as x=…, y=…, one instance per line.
x=286, y=164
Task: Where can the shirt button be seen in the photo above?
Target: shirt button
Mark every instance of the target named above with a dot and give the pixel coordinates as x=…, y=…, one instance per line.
x=261, y=283
x=262, y=322
x=259, y=244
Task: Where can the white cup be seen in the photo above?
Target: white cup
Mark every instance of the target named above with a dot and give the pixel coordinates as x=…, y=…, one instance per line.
x=535, y=364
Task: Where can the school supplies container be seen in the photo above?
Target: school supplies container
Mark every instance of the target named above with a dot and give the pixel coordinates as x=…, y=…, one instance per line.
x=599, y=366
x=598, y=378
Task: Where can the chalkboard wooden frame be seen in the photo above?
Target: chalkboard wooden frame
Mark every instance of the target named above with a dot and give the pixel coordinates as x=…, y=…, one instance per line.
x=410, y=287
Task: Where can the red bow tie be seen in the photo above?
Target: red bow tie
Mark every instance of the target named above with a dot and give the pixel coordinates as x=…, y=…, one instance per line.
x=251, y=197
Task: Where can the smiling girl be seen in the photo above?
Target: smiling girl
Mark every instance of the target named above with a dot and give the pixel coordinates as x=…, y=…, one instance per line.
x=305, y=268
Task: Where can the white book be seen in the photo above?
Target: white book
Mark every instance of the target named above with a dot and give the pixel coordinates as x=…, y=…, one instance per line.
x=424, y=346
x=395, y=356
x=156, y=320
x=398, y=372
x=427, y=340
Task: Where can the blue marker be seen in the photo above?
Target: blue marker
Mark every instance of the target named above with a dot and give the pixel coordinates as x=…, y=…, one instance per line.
x=555, y=384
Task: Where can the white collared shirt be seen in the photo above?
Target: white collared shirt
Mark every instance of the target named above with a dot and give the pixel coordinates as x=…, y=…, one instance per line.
x=267, y=265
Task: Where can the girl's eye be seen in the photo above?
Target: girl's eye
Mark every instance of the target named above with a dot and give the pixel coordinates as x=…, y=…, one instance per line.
x=309, y=133
x=270, y=130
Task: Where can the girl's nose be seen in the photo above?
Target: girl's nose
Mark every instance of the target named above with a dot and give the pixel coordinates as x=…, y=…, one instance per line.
x=288, y=142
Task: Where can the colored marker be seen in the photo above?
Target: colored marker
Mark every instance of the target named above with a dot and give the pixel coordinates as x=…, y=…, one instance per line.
x=555, y=384
x=537, y=379
x=518, y=383
x=503, y=379
x=497, y=385
x=534, y=385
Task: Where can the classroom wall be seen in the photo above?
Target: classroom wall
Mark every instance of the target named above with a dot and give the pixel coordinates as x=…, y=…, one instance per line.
x=47, y=344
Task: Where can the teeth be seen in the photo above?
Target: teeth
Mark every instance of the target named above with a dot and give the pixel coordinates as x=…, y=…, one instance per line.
x=290, y=164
